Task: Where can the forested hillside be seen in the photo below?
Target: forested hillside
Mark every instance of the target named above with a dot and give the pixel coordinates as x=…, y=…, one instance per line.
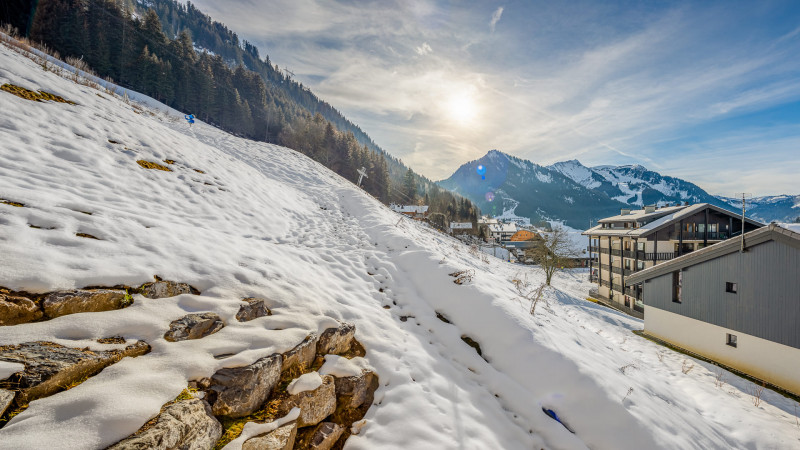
x=180, y=56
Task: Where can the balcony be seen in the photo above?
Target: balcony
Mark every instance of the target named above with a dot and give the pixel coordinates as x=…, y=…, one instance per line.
x=698, y=236
x=593, y=249
x=616, y=252
x=659, y=256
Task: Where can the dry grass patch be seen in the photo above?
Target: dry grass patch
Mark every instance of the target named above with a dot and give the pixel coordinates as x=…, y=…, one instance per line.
x=11, y=203
x=33, y=95
x=152, y=165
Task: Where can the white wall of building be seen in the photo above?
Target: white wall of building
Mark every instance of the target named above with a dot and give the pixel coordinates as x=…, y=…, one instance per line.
x=769, y=361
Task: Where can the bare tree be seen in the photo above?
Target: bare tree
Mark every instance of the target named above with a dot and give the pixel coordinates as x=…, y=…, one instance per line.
x=554, y=252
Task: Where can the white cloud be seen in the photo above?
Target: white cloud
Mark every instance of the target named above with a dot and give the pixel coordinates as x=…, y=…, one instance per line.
x=423, y=49
x=495, y=18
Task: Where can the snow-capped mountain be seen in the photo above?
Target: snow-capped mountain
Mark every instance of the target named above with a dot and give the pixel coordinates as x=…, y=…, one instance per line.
x=578, y=195
x=780, y=208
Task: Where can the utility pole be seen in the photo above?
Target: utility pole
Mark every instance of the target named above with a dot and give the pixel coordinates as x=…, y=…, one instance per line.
x=744, y=194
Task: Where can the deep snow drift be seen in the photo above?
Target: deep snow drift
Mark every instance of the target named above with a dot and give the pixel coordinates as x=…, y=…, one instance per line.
x=261, y=220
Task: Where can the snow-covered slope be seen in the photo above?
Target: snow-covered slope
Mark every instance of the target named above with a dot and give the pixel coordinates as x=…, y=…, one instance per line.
x=261, y=220
x=780, y=208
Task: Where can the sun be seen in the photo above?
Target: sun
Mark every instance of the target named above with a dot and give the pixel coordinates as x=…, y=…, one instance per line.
x=461, y=108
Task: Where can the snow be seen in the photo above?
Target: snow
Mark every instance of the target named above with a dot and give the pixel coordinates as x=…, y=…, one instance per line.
x=303, y=383
x=266, y=221
x=339, y=366
x=577, y=172
x=543, y=177
x=9, y=368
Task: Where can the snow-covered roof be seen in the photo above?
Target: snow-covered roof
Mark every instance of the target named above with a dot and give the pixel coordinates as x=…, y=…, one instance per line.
x=503, y=228
x=642, y=214
x=675, y=213
x=419, y=209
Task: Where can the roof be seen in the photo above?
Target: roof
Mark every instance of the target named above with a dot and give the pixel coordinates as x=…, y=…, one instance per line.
x=638, y=214
x=772, y=232
x=503, y=227
x=675, y=213
x=409, y=208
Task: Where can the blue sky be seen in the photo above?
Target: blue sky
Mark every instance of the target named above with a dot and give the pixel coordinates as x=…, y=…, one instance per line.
x=706, y=91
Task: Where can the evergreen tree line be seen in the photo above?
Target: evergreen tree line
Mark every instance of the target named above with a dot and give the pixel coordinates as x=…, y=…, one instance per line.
x=231, y=88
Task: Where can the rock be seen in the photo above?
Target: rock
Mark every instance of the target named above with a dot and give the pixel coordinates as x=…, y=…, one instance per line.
x=185, y=425
x=281, y=438
x=325, y=435
x=6, y=398
x=254, y=309
x=336, y=340
x=16, y=310
x=314, y=405
x=164, y=289
x=193, y=326
x=354, y=396
x=302, y=354
x=61, y=303
x=50, y=367
x=242, y=390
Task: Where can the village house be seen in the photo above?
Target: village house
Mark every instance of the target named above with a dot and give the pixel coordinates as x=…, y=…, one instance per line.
x=416, y=212
x=636, y=240
x=502, y=231
x=736, y=302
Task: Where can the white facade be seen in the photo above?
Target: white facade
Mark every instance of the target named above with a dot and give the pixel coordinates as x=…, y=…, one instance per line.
x=774, y=363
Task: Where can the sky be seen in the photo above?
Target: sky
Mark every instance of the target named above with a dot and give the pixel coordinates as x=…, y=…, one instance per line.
x=705, y=91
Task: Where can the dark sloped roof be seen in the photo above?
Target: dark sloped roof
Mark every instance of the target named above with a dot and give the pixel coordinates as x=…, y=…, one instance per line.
x=772, y=232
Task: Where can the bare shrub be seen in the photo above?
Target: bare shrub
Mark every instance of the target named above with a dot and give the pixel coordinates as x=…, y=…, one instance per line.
x=660, y=356
x=687, y=366
x=755, y=392
x=526, y=291
x=473, y=250
x=630, y=391
x=626, y=367
x=463, y=276
x=719, y=377
x=485, y=258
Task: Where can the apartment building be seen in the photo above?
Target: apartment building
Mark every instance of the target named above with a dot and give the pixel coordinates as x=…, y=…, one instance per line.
x=634, y=240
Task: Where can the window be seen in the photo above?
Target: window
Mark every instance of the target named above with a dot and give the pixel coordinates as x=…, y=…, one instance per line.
x=731, y=287
x=640, y=265
x=677, y=286
x=730, y=339
x=640, y=246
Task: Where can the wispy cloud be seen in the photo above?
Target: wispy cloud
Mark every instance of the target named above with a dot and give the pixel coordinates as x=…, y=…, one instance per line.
x=495, y=18
x=423, y=49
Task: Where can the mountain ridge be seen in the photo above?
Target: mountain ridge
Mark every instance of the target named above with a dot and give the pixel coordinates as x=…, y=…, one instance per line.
x=579, y=195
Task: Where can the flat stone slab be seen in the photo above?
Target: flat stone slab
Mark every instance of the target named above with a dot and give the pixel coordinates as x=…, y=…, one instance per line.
x=164, y=289
x=185, y=425
x=62, y=303
x=242, y=390
x=194, y=326
x=252, y=309
x=15, y=310
x=50, y=367
x=281, y=438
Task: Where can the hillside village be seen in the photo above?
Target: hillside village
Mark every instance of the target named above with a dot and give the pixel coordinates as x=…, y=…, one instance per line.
x=166, y=284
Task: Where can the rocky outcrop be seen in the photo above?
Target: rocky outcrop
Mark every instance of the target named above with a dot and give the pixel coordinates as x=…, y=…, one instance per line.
x=163, y=289
x=302, y=355
x=282, y=438
x=61, y=303
x=15, y=310
x=50, y=367
x=6, y=398
x=240, y=391
x=325, y=435
x=354, y=392
x=185, y=425
x=252, y=309
x=193, y=326
x=336, y=340
x=315, y=405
